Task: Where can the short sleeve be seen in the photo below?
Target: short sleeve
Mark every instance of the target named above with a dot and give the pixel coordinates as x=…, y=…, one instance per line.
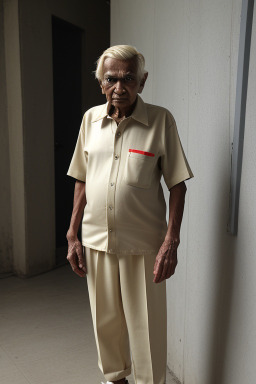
x=78, y=165
x=174, y=164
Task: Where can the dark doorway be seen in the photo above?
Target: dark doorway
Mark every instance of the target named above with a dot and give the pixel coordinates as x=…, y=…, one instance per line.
x=67, y=89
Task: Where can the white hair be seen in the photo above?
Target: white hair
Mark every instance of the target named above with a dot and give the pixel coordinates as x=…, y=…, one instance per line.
x=121, y=52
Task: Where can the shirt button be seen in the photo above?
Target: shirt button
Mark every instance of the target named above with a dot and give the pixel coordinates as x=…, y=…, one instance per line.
x=112, y=184
x=116, y=157
x=118, y=134
x=110, y=207
x=110, y=230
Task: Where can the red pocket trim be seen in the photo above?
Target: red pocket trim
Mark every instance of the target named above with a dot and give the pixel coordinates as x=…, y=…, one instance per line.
x=142, y=152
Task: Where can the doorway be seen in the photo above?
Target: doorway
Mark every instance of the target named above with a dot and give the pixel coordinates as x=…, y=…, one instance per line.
x=67, y=91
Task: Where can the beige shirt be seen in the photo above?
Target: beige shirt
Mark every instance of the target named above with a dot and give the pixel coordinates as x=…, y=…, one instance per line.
x=122, y=167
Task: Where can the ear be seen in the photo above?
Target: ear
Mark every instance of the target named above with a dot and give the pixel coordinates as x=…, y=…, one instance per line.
x=102, y=88
x=142, y=82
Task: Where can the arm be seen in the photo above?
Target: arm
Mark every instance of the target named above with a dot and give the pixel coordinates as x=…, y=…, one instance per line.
x=176, y=208
x=166, y=259
x=75, y=251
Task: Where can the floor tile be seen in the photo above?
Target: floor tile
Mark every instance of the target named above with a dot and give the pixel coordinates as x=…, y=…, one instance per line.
x=46, y=332
x=9, y=373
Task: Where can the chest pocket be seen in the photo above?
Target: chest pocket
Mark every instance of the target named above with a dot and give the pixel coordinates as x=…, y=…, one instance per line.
x=138, y=170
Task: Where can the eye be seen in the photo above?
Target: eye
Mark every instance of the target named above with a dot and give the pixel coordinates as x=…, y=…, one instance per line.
x=111, y=79
x=128, y=78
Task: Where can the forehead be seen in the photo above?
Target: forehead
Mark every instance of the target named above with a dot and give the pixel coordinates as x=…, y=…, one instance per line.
x=115, y=66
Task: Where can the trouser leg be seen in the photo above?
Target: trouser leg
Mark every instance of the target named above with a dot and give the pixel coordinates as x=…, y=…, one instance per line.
x=107, y=314
x=144, y=304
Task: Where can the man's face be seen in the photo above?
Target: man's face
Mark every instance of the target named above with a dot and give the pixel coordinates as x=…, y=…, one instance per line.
x=120, y=83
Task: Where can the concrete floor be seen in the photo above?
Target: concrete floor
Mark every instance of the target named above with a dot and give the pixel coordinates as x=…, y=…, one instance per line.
x=46, y=334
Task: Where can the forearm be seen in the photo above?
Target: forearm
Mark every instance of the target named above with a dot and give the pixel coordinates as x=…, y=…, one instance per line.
x=176, y=208
x=78, y=209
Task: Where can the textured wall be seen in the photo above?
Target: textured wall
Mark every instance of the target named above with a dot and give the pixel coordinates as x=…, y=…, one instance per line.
x=15, y=200
x=5, y=190
x=28, y=98
x=191, y=50
x=36, y=55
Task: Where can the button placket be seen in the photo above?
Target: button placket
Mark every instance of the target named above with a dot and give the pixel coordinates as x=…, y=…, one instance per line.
x=112, y=190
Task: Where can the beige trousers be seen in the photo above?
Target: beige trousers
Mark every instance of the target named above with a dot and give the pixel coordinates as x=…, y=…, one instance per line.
x=129, y=316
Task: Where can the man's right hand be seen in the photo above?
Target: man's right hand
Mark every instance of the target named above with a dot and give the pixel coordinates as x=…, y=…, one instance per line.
x=75, y=257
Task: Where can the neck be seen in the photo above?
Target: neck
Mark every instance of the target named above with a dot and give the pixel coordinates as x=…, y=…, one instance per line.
x=120, y=113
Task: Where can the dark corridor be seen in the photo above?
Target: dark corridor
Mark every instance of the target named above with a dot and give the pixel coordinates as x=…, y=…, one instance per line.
x=67, y=88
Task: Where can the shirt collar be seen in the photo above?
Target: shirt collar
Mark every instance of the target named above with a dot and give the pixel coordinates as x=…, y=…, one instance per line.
x=140, y=112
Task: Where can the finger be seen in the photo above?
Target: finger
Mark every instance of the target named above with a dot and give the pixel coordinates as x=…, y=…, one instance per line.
x=72, y=261
x=158, y=271
x=169, y=271
x=168, y=264
x=74, y=265
x=79, y=272
x=159, y=259
x=165, y=268
x=81, y=261
x=161, y=254
x=172, y=266
x=84, y=258
x=165, y=257
x=158, y=262
x=155, y=266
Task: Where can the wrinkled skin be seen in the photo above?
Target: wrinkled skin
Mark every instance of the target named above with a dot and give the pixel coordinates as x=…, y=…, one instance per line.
x=75, y=254
x=76, y=257
x=166, y=261
x=121, y=85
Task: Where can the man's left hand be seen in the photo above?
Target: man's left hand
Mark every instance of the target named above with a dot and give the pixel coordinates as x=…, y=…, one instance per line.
x=166, y=260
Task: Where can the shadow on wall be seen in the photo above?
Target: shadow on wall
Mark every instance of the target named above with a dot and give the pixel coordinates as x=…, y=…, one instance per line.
x=222, y=304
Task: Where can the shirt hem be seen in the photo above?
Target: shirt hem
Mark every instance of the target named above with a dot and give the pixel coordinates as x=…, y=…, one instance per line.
x=123, y=251
x=76, y=176
x=183, y=177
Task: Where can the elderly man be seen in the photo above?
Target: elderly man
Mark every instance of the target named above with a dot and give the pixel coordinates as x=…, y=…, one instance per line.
x=123, y=149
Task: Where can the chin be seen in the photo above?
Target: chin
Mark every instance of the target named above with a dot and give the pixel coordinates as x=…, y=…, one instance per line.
x=120, y=102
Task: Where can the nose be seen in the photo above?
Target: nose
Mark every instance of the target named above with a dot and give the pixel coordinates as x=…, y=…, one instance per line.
x=119, y=89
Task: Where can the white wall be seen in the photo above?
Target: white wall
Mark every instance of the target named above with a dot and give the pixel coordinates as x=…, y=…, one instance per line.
x=191, y=50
